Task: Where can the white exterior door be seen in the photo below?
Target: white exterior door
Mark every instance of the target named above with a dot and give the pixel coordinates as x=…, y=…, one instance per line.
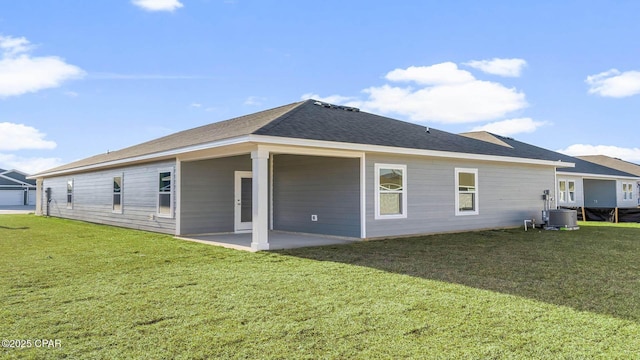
x=11, y=197
x=243, y=201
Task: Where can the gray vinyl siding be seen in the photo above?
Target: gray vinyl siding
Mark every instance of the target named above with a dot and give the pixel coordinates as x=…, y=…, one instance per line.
x=579, y=191
x=600, y=193
x=313, y=185
x=507, y=194
x=93, y=197
x=207, y=194
x=627, y=203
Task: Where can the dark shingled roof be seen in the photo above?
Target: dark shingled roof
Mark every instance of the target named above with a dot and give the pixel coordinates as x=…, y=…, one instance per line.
x=314, y=120
x=242, y=125
x=531, y=151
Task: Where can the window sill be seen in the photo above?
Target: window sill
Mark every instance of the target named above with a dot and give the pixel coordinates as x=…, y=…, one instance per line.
x=467, y=213
x=390, y=217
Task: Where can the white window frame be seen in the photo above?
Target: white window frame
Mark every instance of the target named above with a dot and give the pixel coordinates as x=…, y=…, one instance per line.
x=403, y=168
x=627, y=194
x=70, y=194
x=113, y=194
x=170, y=192
x=566, y=192
x=476, y=192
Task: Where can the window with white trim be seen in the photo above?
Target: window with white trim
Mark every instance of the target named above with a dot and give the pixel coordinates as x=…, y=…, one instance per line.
x=566, y=191
x=627, y=191
x=117, y=194
x=391, y=191
x=70, y=194
x=165, y=193
x=466, y=191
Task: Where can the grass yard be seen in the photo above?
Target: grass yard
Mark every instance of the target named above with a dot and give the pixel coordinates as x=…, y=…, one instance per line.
x=107, y=293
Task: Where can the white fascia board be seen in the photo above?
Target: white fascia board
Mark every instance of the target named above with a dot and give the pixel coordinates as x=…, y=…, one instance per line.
x=148, y=157
x=597, y=176
x=265, y=139
x=17, y=186
x=277, y=140
x=13, y=170
x=312, y=151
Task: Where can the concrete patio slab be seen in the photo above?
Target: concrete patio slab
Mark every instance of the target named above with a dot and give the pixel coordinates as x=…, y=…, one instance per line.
x=17, y=209
x=277, y=240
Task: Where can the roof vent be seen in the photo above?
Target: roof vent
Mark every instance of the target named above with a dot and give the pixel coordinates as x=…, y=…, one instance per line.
x=332, y=106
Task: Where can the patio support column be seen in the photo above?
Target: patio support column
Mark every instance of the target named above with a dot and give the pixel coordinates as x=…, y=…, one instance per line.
x=260, y=205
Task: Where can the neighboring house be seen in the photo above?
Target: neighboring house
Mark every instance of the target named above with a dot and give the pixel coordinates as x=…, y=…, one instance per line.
x=306, y=167
x=618, y=164
x=16, y=189
x=588, y=184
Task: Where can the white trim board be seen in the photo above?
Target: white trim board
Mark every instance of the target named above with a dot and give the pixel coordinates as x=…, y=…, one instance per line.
x=306, y=146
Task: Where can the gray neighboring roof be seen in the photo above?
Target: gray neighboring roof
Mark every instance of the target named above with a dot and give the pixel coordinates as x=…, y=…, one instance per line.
x=613, y=163
x=5, y=181
x=314, y=120
x=15, y=178
x=532, y=151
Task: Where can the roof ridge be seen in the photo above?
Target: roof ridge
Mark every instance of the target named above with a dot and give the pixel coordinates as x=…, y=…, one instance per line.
x=222, y=122
x=277, y=121
x=608, y=157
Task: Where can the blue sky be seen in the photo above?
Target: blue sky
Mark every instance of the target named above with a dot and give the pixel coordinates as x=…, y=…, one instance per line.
x=78, y=77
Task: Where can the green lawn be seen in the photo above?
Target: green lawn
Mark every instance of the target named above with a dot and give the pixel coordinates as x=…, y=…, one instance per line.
x=108, y=293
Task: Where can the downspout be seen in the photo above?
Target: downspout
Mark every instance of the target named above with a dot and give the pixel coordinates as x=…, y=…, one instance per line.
x=555, y=187
x=48, y=192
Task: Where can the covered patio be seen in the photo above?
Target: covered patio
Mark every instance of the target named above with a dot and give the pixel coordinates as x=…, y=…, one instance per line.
x=256, y=197
x=277, y=240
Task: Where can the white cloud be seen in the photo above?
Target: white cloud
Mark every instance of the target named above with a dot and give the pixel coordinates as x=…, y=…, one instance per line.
x=452, y=103
x=254, y=100
x=21, y=73
x=195, y=105
x=11, y=46
x=613, y=83
x=444, y=94
x=158, y=5
x=443, y=73
x=501, y=67
x=511, y=127
x=627, y=154
x=28, y=165
x=19, y=136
